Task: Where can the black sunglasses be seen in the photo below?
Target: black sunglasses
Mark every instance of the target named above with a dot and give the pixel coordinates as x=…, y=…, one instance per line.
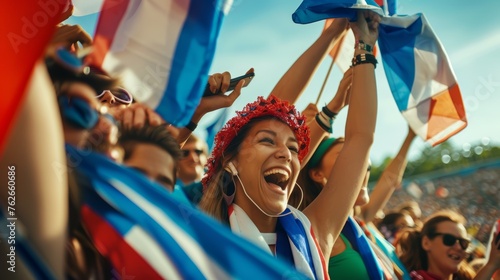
x=450, y=240
x=185, y=153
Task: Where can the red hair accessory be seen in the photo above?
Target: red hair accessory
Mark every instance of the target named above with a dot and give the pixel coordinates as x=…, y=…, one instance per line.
x=272, y=106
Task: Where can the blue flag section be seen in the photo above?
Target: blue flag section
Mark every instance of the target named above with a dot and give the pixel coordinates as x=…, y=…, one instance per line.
x=313, y=10
x=215, y=127
x=416, y=65
x=136, y=224
x=165, y=67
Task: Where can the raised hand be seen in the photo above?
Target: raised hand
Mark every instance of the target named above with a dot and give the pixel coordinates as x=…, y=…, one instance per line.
x=365, y=28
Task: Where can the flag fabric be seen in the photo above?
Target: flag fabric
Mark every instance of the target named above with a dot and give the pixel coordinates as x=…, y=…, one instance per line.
x=147, y=234
x=353, y=232
x=215, y=127
x=162, y=50
x=314, y=10
x=343, y=51
x=25, y=34
x=421, y=78
x=295, y=240
x=416, y=65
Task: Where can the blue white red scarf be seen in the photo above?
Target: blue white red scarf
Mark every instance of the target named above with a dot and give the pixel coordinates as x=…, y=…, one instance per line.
x=295, y=240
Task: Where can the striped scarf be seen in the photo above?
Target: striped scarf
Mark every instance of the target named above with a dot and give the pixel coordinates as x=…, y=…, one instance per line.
x=360, y=243
x=295, y=240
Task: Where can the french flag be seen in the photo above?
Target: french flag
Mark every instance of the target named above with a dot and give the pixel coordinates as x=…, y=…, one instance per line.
x=162, y=50
x=416, y=65
x=421, y=78
x=147, y=234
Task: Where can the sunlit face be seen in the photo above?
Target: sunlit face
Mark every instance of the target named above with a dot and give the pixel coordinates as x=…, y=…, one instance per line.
x=191, y=166
x=268, y=166
x=444, y=260
x=154, y=162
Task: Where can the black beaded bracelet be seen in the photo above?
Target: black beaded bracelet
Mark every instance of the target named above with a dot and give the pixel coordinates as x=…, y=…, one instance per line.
x=329, y=113
x=322, y=125
x=364, y=58
x=191, y=126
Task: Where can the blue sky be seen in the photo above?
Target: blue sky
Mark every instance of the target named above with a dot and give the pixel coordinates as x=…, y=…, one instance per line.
x=261, y=34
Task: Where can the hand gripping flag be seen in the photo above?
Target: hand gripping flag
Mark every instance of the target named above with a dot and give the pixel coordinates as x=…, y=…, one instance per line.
x=147, y=234
x=162, y=50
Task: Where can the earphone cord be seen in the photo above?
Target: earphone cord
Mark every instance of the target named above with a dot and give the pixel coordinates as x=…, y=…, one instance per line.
x=258, y=207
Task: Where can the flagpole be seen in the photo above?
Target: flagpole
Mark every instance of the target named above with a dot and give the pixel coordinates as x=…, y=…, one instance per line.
x=324, y=82
x=334, y=53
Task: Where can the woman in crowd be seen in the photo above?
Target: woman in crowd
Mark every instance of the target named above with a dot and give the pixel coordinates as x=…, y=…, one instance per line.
x=354, y=246
x=439, y=250
x=256, y=161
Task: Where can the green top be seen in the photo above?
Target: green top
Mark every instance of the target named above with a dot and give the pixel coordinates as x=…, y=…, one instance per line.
x=348, y=264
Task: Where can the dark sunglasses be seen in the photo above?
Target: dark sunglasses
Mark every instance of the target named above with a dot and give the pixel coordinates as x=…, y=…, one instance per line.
x=79, y=113
x=120, y=94
x=450, y=240
x=185, y=153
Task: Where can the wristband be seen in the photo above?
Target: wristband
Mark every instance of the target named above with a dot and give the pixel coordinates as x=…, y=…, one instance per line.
x=361, y=45
x=364, y=58
x=325, y=127
x=329, y=113
x=191, y=126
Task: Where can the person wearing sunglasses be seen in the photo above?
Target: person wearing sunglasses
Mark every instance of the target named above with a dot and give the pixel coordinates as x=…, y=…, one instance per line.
x=439, y=250
x=80, y=111
x=192, y=167
x=117, y=97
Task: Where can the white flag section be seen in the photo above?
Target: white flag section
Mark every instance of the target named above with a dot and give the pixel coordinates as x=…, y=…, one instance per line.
x=346, y=52
x=162, y=50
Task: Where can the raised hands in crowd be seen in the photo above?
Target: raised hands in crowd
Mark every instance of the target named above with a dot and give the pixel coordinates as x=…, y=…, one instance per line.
x=276, y=177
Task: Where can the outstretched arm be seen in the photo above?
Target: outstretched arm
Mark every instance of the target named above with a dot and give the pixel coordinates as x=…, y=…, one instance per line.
x=338, y=102
x=214, y=102
x=388, y=182
x=328, y=218
x=295, y=80
x=493, y=264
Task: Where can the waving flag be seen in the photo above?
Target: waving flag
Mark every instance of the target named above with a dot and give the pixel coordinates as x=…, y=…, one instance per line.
x=162, y=50
x=421, y=78
x=147, y=234
x=416, y=65
x=314, y=10
x=25, y=34
x=215, y=127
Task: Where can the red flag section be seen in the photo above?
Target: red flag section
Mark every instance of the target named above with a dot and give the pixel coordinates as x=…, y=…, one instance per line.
x=25, y=30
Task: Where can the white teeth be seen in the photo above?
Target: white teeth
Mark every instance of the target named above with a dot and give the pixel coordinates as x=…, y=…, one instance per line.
x=278, y=171
x=455, y=257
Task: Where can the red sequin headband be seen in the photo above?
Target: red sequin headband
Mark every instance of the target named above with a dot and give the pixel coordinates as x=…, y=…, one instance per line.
x=272, y=106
